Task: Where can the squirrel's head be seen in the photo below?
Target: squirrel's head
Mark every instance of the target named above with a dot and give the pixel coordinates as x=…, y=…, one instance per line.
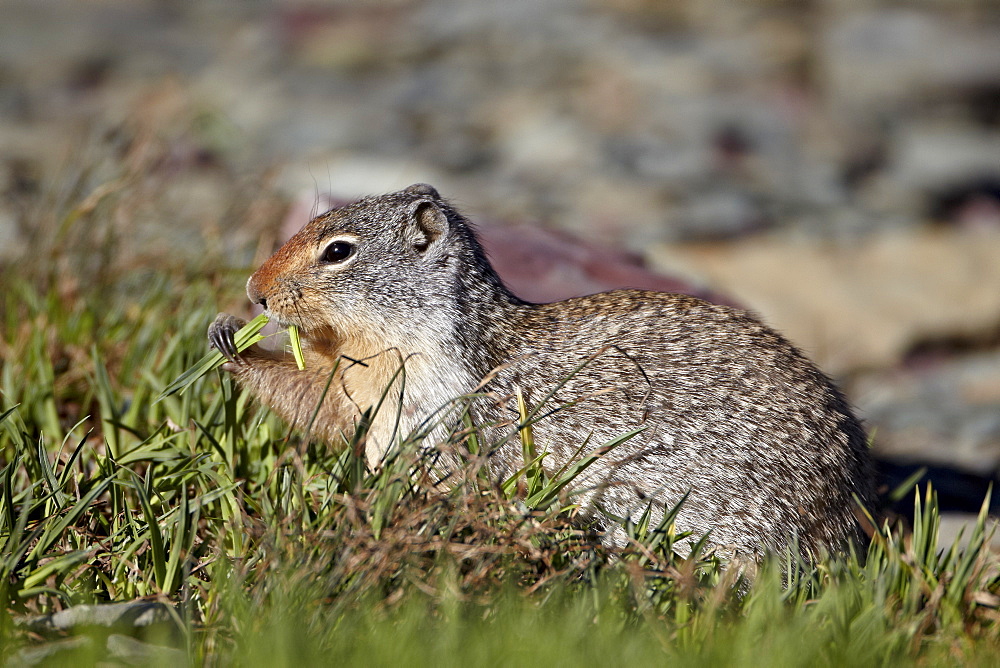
x=378, y=268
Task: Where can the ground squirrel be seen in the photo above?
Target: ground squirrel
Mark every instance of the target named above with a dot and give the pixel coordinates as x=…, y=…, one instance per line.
x=733, y=415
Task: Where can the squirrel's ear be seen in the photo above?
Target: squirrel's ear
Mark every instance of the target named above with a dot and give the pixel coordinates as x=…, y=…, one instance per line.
x=428, y=223
x=423, y=189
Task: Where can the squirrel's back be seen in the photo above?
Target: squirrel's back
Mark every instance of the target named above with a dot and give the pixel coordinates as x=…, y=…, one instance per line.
x=733, y=416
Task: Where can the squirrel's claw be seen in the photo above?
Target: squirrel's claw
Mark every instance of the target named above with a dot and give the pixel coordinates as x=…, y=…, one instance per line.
x=221, y=336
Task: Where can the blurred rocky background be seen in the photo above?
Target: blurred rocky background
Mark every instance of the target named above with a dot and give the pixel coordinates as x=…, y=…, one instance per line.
x=832, y=164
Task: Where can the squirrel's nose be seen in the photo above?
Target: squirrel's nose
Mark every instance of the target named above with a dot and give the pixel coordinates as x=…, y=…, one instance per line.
x=254, y=293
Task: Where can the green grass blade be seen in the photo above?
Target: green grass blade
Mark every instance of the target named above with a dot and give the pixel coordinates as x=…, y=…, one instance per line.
x=49, y=476
x=509, y=486
x=182, y=540
x=56, y=566
x=903, y=488
x=67, y=468
x=964, y=570
x=293, y=336
x=6, y=413
x=107, y=404
x=551, y=491
x=144, y=490
x=53, y=530
x=247, y=335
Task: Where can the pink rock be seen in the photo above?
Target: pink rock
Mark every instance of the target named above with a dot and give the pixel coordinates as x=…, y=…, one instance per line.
x=543, y=265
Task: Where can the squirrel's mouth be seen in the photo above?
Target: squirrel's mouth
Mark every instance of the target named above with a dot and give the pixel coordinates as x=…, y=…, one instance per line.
x=309, y=329
x=283, y=321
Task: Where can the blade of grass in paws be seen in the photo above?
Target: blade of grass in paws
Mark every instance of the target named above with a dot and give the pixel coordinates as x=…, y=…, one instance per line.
x=293, y=336
x=247, y=335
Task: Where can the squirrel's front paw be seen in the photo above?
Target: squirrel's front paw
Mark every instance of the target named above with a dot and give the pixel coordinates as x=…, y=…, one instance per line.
x=221, y=336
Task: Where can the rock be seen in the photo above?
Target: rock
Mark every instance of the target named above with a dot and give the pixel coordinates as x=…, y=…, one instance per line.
x=316, y=185
x=956, y=527
x=933, y=156
x=942, y=413
x=718, y=215
x=135, y=652
x=114, y=625
x=879, y=58
x=127, y=615
x=857, y=305
x=543, y=266
x=57, y=652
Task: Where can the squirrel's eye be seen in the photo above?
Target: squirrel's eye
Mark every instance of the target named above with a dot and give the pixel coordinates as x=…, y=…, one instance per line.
x=338, y=251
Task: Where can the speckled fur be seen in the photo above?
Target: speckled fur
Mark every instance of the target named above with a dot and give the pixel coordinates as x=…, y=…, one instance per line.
x=733, y=414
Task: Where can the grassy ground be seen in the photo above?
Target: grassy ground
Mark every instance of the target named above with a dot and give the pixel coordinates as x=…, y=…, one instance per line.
x=279, y=552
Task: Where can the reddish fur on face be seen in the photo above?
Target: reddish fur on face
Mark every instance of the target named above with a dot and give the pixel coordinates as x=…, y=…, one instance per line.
x=296, y=254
